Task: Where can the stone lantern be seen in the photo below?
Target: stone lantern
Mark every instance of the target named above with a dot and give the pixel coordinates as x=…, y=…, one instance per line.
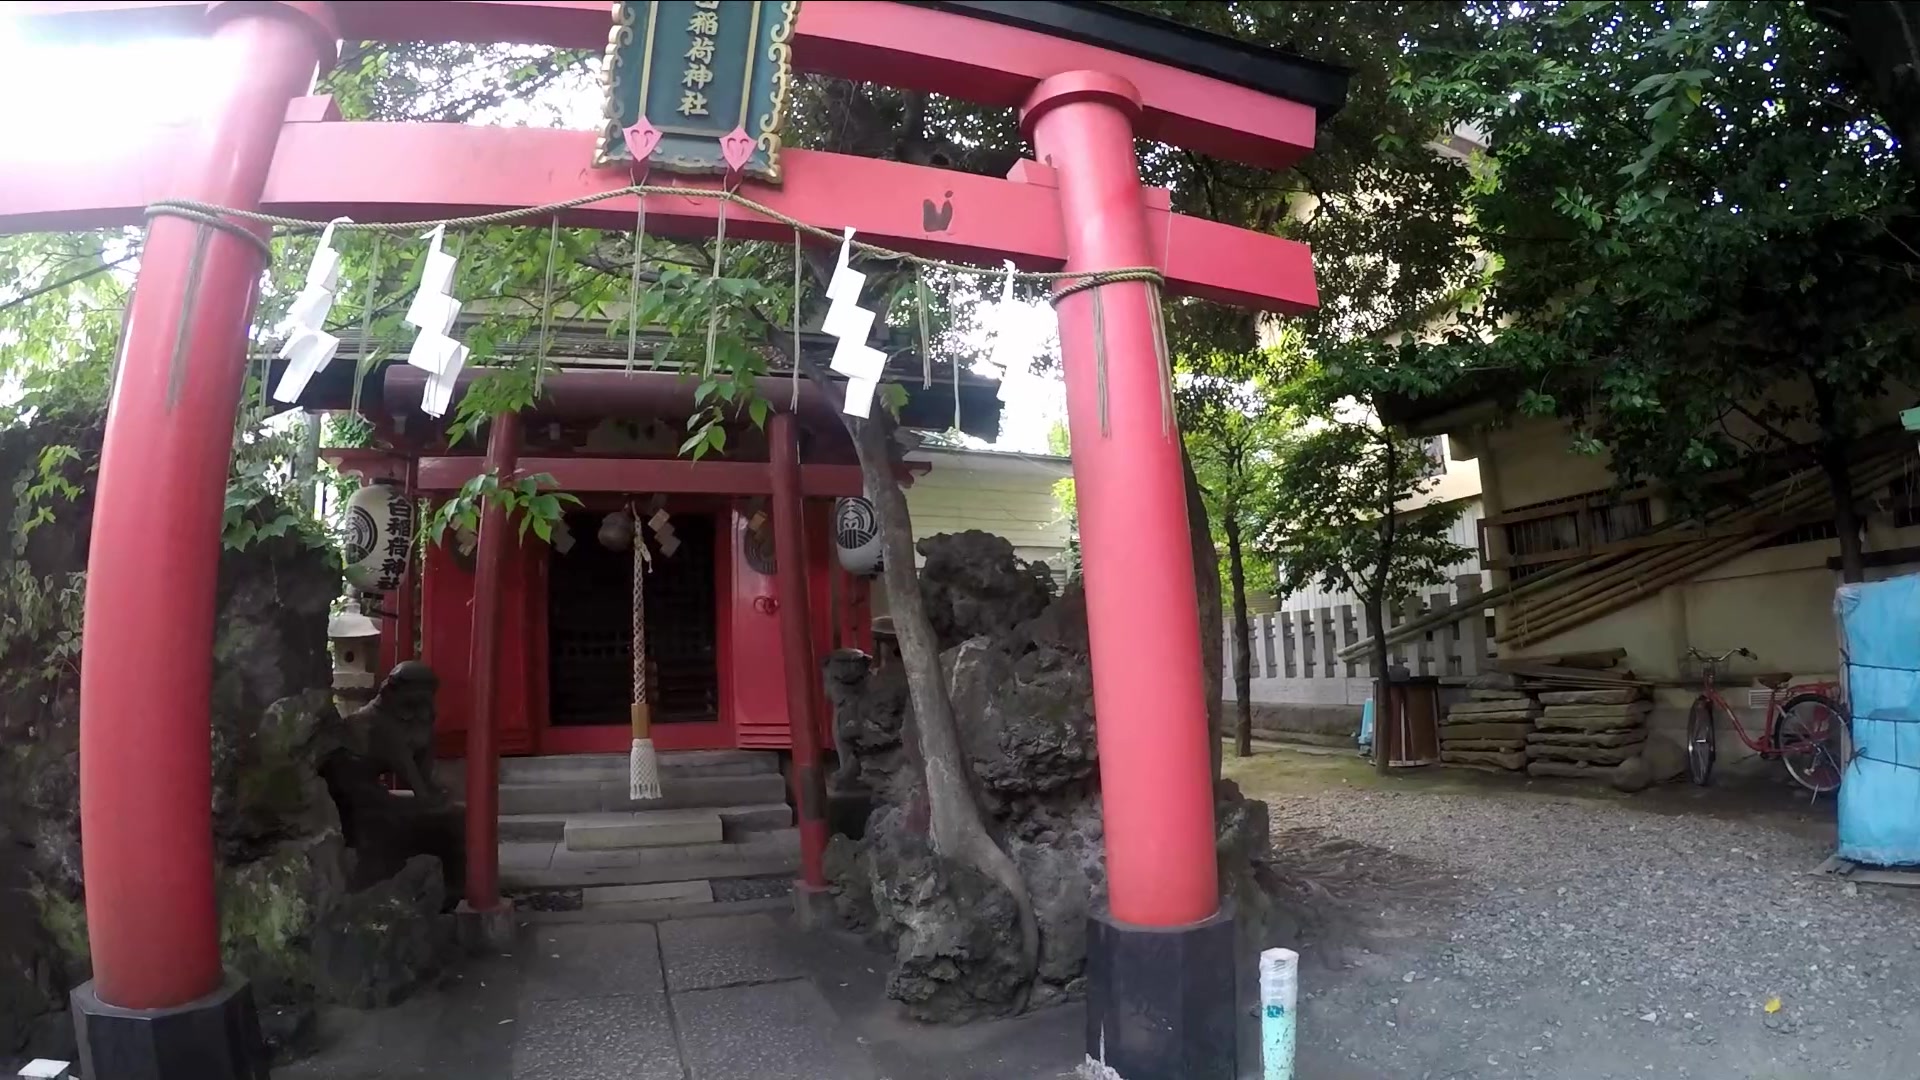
x=356, y=656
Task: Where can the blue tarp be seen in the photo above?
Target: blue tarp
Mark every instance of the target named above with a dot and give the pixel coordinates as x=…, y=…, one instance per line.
x=1880, y=793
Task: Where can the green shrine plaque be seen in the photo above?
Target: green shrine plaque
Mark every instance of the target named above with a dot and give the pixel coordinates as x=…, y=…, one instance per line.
x=698, y=70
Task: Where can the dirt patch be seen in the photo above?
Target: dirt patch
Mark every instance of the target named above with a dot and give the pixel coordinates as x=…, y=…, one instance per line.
x=1336, y=896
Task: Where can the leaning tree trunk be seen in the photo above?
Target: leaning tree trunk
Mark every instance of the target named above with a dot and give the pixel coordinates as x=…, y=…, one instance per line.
x=1242, y=648
x=1206, y=587
x=958, y=833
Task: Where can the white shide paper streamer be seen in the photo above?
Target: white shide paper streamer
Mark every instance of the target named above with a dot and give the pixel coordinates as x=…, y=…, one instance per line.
x=309, y=348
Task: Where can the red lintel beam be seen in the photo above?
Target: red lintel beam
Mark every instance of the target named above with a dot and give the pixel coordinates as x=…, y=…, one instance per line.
x=991, y=63
x=404, y=172
x=665, y=475
x=899, y=45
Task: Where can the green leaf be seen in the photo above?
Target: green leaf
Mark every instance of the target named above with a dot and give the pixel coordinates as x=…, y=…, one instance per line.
x=1650, y=84
x=893, y=398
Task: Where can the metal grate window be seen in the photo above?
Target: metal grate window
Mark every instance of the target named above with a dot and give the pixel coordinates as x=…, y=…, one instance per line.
x=590, y=628
x=1577, y=530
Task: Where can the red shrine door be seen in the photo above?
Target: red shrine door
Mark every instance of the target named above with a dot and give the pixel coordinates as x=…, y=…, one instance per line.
x=715, y=665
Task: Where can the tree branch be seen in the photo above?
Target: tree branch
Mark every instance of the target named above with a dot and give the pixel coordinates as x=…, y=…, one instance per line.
x=70, y=279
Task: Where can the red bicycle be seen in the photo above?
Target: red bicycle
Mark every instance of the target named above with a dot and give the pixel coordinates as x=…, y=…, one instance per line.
x=1807, y=731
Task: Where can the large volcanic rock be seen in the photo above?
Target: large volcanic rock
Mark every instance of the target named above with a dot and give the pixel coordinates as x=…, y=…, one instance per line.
x=974, y=584
x=285, y=867
x=1020, y=680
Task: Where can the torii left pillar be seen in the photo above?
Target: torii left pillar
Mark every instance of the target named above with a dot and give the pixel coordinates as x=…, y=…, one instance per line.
x=159, y=1006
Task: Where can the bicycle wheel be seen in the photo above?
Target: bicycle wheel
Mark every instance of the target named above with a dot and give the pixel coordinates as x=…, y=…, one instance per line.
x=1813, y=741
x=1700, y=751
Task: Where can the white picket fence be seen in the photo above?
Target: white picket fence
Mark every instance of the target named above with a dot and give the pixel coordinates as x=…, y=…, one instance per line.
x=1294, y=654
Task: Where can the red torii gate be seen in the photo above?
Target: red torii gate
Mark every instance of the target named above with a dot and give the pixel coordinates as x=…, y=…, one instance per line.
x=1087, y=80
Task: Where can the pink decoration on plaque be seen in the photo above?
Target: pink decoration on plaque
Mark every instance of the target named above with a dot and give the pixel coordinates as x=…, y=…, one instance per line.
x=737, y=147
x=642, y=137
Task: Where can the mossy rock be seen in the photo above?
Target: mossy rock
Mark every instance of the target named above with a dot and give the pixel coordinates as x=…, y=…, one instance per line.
x=268, y=908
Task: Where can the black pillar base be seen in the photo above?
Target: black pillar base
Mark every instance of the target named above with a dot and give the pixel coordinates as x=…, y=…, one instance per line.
x=1160, y=1000
x=215, y=1038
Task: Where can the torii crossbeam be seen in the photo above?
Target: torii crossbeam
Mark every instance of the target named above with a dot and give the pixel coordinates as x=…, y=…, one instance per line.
x=1087, y=78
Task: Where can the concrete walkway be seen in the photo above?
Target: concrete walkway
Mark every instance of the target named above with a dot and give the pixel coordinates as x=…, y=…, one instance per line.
x=742, y=997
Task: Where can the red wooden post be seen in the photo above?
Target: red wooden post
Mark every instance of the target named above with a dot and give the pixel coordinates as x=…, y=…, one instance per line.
x=483, y=677
x=145, y=799
x=1160, y=959
x=1142, y=615
x=796, y=644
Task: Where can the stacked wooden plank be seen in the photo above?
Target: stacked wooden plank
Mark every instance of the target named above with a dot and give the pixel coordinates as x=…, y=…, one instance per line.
x=1587, y=733
x=1489, y=731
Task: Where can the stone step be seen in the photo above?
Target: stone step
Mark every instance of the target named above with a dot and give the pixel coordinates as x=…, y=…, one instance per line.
x=659, y=910
x=677, y=792
x=573, y=767
x=684, y=892
x=545, y=865
x=598, y=768
x=736, y=822
x=618, y=830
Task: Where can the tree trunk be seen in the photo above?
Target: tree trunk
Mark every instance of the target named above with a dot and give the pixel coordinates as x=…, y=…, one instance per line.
x=1833, y=462
x=1376, y=604
x=1835, y=433
x=1376, y=615
x=1206, y=587
x=1242, y=649
x=957, y=831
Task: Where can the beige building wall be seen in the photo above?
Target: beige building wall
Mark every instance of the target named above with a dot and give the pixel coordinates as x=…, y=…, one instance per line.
x=1009, y=495
x=1537, y=462
x=1776, y=601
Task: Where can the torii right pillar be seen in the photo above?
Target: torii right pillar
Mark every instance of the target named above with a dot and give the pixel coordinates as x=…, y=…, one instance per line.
x=1160, y=960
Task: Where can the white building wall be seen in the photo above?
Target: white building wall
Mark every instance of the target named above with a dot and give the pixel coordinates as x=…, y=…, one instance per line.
x=1465, y=532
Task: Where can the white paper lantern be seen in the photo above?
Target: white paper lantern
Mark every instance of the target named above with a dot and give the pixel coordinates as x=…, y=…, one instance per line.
x=856, y=536
x=379, y=538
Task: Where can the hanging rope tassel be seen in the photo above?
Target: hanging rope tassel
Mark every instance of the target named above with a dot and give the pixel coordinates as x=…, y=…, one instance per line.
x=793, y=404
x=189, y=301
x=1163, y=357
x=643, y=763
x=1100, y=358
x=633, y=288
x=713, y=299
x=546, y=311
x=363, y=355
x=920, y=311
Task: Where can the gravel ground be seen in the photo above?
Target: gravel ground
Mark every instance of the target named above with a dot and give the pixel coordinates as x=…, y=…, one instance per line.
x=1489, y=930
